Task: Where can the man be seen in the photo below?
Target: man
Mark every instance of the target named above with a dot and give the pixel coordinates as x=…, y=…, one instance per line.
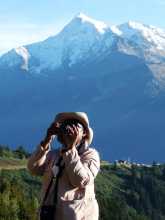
x=79, y=164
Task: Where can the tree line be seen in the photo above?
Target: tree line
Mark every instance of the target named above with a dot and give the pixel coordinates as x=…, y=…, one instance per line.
x=19, y=153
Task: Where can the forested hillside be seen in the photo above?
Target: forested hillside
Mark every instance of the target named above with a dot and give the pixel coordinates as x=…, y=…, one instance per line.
x=123, y=192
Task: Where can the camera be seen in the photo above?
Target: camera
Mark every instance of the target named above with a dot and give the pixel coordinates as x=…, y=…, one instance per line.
x=64, y=128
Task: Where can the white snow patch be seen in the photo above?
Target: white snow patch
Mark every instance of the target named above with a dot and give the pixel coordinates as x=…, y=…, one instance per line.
x=140, y=32
x=23, y=52
x=116, y=30
x=99, y=25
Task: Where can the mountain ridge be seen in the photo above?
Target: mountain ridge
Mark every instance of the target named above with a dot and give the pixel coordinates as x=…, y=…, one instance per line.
x=82, y=34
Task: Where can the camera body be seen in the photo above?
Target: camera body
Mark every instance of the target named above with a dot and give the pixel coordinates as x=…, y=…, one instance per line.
x=64, y=129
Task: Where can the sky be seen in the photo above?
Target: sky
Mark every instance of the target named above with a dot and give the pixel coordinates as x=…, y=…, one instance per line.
x=24, y=22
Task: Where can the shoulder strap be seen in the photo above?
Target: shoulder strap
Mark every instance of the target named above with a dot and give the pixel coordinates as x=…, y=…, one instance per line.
x=47, y=191
x=56, y=182
x=61, y=167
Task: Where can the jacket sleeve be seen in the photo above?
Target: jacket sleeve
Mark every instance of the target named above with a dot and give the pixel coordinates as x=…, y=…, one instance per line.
x=81, y=171
x=37, y=162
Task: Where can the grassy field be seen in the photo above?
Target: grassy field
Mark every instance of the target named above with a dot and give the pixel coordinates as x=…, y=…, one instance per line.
x=12, y=163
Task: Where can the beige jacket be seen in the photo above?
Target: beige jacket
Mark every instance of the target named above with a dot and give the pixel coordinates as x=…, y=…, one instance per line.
x=76, y=193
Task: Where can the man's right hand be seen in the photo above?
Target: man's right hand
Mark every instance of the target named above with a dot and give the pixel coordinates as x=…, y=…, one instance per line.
x=51, y=131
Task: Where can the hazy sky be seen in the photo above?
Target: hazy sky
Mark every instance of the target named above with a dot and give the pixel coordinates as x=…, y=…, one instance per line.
x=23, y=22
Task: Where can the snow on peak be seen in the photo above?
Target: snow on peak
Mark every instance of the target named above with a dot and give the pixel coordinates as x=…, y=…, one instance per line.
x=132, y=28
x=99, y=25
x=23, y=52
x=79, y=39
x=116, y=30
x=84, y=37
x=137, y=25
x=140, y=32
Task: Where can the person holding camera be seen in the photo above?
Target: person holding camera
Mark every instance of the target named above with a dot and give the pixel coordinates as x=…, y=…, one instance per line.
x=68, y=191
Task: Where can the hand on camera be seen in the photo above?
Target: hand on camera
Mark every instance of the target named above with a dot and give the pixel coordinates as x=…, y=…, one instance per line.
x=52, y=130
x=71, y=139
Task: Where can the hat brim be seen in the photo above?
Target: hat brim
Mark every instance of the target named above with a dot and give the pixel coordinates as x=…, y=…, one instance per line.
x=72, y=115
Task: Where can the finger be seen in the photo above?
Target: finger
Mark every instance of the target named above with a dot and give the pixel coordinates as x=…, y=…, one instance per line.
x=76, y=130
x=57, y=124
x=71, y=129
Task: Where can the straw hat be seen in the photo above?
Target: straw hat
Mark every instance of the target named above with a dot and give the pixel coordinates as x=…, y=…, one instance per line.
x=82, y=118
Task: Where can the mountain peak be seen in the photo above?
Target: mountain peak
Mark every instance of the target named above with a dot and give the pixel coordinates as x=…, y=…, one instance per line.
x=142, y=33
x=99, y=25
x=83, y=16
x=140, y=27
x=136, y=25
x=84, y=37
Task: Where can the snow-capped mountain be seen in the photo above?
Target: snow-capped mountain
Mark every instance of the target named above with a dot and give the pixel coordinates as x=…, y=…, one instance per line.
x=114, y=73
x=146, y=42
x=84, y=38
